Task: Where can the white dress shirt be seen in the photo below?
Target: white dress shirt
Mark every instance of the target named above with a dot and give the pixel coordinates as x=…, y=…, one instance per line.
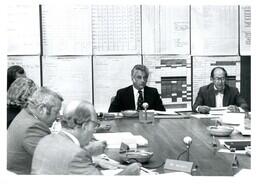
x=219, y=99
x=136, y=95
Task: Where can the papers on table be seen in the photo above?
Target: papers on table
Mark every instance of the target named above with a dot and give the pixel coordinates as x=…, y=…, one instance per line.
x=205, y=116
x=233, y=118
x=168, y=112
x=218, y=110
x=114, y=140
x=113, y=167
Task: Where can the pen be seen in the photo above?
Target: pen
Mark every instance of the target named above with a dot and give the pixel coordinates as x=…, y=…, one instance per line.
x=145, y=170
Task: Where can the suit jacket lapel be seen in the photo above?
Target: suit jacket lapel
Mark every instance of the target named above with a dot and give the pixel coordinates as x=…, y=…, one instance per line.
x=226, y=96
x=212, y=98
x=130, y=98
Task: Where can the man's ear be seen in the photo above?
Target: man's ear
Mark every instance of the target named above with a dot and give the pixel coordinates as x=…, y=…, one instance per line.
x=84, y=125
x=133, y=80
x=41, y=109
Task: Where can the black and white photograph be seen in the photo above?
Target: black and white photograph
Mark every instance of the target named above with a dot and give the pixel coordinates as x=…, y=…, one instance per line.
x=132, y=91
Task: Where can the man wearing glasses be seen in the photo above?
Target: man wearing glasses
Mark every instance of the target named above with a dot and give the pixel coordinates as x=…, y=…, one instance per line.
x=70, y=151
x=219, y=94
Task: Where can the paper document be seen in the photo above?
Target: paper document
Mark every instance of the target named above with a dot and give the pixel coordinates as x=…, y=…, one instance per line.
x=233, y=118
x=31, y=65
x=243, y=130
x=214, y=30
x=167, y=112
x=114, y=140
x=205, y=116
x=23, y=29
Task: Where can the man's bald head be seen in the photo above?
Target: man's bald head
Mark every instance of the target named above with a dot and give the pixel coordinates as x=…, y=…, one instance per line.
x=78, y=112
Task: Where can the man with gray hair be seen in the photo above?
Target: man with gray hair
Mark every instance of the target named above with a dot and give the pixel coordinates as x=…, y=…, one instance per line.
x=29, y=126
x=132, y=97
x=70, y=150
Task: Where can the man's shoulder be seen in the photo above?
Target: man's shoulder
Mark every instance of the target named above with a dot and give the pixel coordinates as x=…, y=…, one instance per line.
x=206, y=87
x=150, y=89
x=57, y=141
x=121, y=90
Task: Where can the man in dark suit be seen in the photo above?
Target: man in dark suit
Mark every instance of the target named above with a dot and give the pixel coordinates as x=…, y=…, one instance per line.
x=70, y=151
x=219, y=94
x=132, y=97
x=29, y=126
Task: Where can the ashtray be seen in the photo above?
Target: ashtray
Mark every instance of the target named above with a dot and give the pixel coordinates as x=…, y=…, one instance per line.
x=130, y=113
x=220, y=130
x=135, y=156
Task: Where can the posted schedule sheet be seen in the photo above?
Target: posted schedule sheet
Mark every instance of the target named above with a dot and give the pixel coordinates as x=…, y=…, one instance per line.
x=245, y=30
x=165, y=29
x=71, y=76
x=214, y=30
x=116, y=29
x=66, y=30
x=23, y=30
x=31, y=65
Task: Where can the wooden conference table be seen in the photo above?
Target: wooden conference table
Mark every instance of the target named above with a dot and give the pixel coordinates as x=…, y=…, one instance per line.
x=165, y=140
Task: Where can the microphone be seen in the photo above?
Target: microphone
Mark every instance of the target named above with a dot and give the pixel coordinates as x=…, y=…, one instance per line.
x=145, y=106
x=187, y=141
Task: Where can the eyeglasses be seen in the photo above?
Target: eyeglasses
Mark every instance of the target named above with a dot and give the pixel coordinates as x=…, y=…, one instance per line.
x=96, y=123
x=219, y=78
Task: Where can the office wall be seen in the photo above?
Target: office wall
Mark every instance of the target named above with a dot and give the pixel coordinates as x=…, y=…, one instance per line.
x=87, y=51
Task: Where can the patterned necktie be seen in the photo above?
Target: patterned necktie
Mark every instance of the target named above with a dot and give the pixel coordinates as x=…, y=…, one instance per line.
x=140, y=101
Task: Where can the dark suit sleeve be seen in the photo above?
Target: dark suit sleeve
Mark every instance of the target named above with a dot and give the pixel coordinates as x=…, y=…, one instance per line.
x=199, y=100
x=240, y=101
x=33, y=135
x=115, y=105
x=82, y=165
x=158, y=101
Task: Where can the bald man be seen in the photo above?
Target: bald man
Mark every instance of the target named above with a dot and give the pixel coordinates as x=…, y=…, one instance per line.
x=70, y=151
x=219, y=94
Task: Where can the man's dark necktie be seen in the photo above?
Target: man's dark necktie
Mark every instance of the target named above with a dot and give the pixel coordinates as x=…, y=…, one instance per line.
x=218, y=92
x=140, y=101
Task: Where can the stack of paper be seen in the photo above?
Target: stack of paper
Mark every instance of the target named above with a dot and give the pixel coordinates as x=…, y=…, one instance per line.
x=114, y=140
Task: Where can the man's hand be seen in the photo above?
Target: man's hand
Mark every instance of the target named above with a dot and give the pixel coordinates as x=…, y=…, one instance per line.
x=132, y=169
x=233, y=108
x=204, y=109
x=107, y=163
x=96, y=147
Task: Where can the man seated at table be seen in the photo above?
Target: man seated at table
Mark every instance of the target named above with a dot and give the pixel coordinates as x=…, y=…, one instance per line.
x=132, y=97
x=70, y=151
x=29, y=126
x=219, y=94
